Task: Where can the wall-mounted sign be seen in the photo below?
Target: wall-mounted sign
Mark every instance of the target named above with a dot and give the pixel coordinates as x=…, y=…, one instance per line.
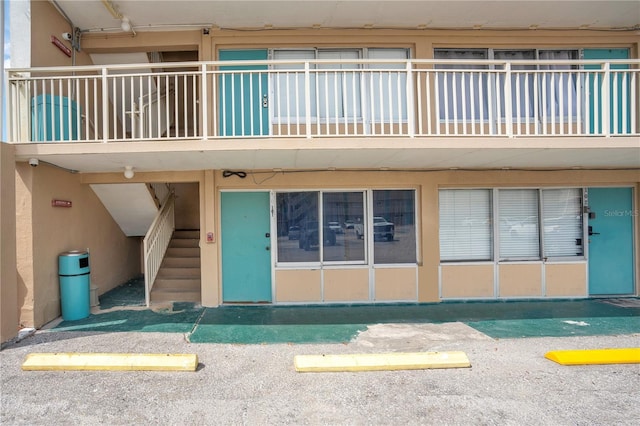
x=60, y=203
x=60, y=45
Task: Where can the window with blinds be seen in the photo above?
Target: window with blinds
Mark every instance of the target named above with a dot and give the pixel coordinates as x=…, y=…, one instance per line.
x=518, y=216
x=531, y=224
x=465, y=224
x=562, y=222
x=339, y=89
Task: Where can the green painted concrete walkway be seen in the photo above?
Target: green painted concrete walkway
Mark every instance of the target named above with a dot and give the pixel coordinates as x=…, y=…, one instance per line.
x=341, y=323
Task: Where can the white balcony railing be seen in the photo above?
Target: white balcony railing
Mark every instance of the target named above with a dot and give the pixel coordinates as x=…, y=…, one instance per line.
x=241, y=99
x=156, y=242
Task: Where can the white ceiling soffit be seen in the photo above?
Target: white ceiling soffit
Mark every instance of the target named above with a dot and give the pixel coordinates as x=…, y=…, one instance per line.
x=130, y=205
x=153, y=15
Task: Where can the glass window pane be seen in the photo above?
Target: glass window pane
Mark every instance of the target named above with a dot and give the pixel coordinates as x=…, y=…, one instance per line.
x=522, y=83
x=559, y=84
x=388, y=87
x=341, y=241
x=394, y=226
x=562, y=219
x=519, y=230
x=468, y=79
x=288, y=86
x=338, y=89
x=465, y=224
x=297, y=226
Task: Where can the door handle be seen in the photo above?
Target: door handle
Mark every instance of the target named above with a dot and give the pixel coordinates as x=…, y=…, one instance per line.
x=267, y=248
x=265, y=101
x=591, y=231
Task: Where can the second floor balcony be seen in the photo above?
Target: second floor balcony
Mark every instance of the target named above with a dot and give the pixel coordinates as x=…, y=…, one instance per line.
x=324, y=99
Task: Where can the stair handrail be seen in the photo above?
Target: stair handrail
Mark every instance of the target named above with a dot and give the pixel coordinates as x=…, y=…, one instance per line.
x=156, y=242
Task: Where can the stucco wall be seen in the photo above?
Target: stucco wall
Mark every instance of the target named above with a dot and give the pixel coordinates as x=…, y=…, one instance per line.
x=9, y=318
x=187, y=201
x=45, y=231
x=427, y=185
x=46, y=22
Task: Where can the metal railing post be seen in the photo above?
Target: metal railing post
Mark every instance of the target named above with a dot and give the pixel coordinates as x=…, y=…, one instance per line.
x=605, y=100
x=307, y=99
x=204, y=101
x=508, y=107
x=411, y=100
x=105, y=106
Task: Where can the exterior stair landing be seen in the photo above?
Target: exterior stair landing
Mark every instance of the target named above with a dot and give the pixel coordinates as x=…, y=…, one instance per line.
x=178, y=279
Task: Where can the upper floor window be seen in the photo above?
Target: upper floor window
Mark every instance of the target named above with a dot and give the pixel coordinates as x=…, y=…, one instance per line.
x=545, y=91
x=338, y=89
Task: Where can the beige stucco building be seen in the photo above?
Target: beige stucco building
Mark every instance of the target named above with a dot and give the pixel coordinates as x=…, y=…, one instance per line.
x=340, y=152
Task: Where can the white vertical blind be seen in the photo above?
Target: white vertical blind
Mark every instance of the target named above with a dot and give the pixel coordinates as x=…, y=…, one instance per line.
x=467, y=80
x=559, y=85
x=393, y=103
x=288, y=87
x=519, y=224
x=562, y=222
x=336, y=90
x=465, y=224
x=521, y=82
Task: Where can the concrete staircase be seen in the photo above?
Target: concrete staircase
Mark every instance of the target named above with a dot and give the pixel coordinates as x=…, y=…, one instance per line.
x=178, y=279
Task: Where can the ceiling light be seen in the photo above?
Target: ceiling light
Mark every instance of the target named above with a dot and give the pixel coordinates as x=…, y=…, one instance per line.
x=128, y=172
x=125, y=24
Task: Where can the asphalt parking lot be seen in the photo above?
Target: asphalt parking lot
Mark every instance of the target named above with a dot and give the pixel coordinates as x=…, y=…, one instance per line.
x=510, y=382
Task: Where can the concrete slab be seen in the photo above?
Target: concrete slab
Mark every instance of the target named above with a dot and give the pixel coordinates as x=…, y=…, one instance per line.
x=415, y=337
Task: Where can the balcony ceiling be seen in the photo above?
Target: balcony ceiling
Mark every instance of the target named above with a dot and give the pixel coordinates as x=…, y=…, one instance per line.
x=328, y=154
x=154, y=15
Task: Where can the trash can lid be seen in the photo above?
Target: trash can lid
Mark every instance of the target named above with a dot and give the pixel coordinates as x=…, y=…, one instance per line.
x=74, y=253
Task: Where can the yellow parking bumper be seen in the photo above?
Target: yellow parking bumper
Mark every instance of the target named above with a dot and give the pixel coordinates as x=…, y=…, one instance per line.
x=110, y=361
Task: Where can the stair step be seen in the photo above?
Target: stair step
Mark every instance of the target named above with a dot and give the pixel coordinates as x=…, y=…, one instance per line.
x=179, y=273
x=184, y=242
x=187, y=233
x=176, y=284
x=183, y=252
x=174, y=296
x=178, y=279
x=181, y=262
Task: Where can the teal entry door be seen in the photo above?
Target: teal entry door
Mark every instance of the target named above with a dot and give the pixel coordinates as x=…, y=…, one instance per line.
x=243, y=94
x=619, y=93
x=246, y=251
x=610, y=241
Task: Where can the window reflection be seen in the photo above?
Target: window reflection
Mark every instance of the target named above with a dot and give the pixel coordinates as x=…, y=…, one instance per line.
x=342, y=233
x=394, y=227
x=342, y=242
x=298, y=226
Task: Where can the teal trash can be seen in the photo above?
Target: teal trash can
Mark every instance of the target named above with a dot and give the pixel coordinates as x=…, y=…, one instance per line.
x=54, y=118
x=73, y=270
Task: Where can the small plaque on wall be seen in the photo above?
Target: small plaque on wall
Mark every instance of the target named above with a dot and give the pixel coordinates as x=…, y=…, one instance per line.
x=60, y=45
x=60, y=203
